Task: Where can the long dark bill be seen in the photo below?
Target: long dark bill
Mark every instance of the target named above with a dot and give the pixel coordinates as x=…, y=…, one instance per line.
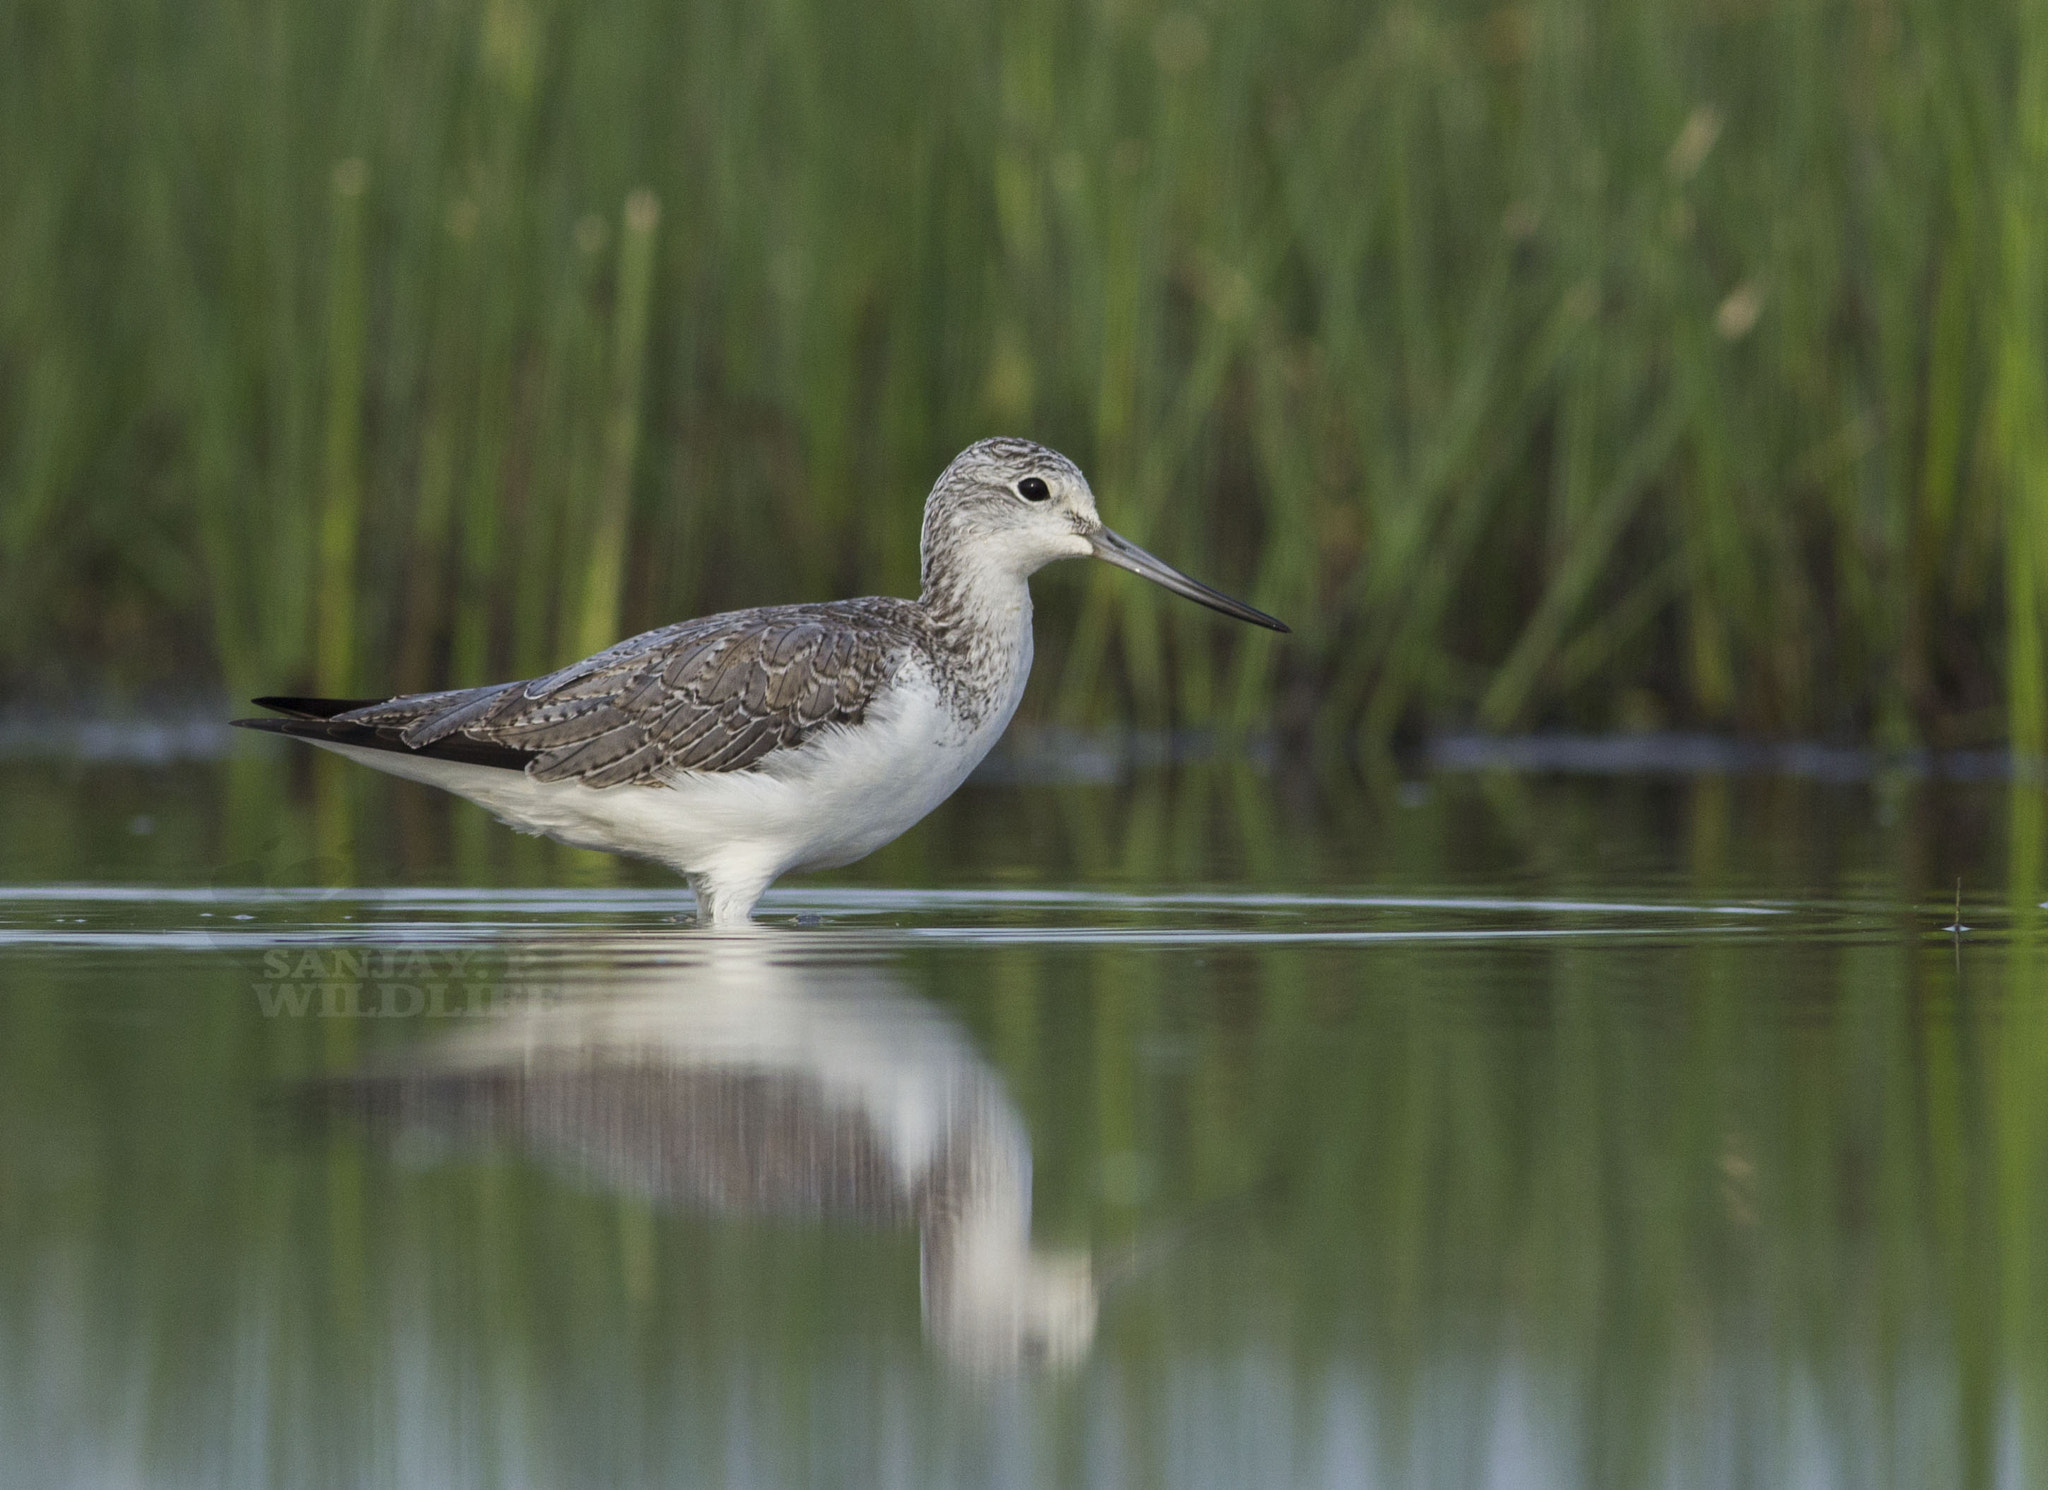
x=1127, y=555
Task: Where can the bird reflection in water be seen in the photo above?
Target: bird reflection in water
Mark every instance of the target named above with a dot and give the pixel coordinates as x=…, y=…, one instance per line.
x=745, y=1078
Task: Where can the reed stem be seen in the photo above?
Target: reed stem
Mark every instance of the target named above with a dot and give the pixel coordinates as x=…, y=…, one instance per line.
x=341, y=491
x=604, y=577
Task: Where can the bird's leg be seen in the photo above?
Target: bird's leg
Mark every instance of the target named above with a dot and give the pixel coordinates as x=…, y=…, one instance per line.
x=725, y=899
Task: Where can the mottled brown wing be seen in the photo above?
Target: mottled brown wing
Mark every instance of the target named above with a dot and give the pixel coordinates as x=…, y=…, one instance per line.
x=710, y=695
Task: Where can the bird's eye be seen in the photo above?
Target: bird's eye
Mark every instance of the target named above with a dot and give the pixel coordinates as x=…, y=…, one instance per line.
x=1033, y=489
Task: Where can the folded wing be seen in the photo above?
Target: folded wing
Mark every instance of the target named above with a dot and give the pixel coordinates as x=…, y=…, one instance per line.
x=717, y=694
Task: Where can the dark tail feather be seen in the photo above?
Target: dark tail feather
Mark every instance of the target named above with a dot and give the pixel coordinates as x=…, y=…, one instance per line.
x=312, y=708
x=311, y=719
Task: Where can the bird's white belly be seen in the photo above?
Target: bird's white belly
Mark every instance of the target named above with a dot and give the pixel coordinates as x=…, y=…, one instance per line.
x=850, y=791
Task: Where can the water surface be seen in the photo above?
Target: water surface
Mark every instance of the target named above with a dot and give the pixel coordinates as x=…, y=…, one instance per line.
x=1200, y=1126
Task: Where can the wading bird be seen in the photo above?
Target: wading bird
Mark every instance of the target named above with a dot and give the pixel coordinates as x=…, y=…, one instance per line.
x=742, y=746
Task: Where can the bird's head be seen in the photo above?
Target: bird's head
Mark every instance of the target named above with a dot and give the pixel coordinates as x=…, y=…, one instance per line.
x=1013, y=506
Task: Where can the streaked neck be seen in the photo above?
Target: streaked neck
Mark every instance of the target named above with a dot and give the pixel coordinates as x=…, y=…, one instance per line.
x=979, y=604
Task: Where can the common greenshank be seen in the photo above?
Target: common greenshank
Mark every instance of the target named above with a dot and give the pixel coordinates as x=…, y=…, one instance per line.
x=742, y=746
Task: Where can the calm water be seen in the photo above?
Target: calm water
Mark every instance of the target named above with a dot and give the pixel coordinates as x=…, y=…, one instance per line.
x=1194, y=1127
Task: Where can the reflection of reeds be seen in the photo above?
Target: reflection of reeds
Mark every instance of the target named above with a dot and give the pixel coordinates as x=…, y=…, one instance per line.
x=1705, y=1189
x=1572, y=362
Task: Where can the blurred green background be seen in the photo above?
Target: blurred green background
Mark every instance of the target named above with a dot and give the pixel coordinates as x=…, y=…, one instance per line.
x=1585, y=363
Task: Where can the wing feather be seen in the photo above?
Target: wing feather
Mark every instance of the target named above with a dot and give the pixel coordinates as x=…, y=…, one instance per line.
x=717, y=694
x=744, y=741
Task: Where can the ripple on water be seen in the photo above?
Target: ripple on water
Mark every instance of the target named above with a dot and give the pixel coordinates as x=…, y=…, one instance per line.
x=187, y=918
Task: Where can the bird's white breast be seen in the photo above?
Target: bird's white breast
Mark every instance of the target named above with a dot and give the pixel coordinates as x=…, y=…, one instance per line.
x=855, y=789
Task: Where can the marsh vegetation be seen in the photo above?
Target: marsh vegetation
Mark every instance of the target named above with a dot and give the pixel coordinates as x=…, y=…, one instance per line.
x=1560, y=362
